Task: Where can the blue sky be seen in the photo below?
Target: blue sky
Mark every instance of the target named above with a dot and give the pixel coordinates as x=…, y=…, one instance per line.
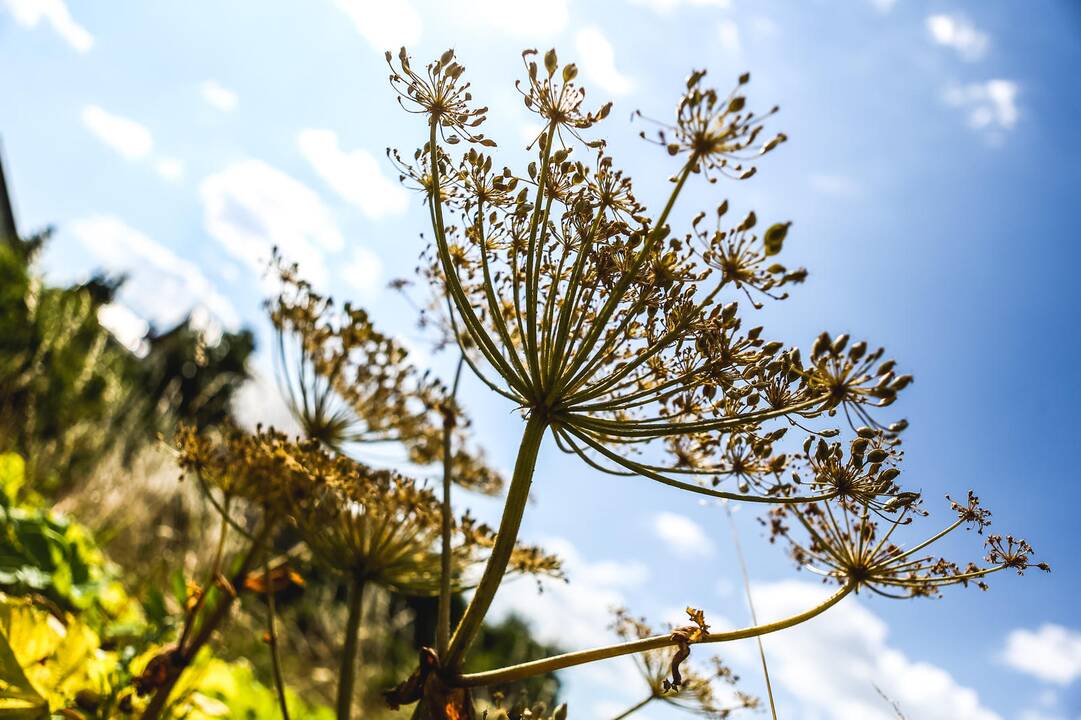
x=931, y=176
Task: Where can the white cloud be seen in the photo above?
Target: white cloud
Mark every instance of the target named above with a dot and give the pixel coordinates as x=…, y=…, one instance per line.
x=598, y=60
x=728, y=34
x=666, y=6
x=29, y=13
x=127, y=327
x=364, y=272
x=170, y=168
x=218, y=96
x=384, y=25
x=533, y=19
x=955, y=31
x=161, y=286
x=126, y=136
x=683, y=535
x=989, y=106
x=260, y=401
x=1051, y=653
x=251, y=207
x=576, y=614
x=832, y=663
x=835, y=185
x=353, y=174
x=883, y=6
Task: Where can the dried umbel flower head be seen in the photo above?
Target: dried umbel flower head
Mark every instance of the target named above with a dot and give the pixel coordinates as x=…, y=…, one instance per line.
x=710, y=693
x=717, y=131
x=848, y=542
x=439, y=94
x=382, y=527
x=349, y=385
x=240, y=465
x=601, y=325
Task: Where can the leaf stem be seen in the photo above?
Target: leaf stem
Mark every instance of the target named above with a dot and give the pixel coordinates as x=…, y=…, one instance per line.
x=442, y=634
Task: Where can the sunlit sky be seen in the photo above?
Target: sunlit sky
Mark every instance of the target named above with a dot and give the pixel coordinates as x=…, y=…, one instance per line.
x=932, y=179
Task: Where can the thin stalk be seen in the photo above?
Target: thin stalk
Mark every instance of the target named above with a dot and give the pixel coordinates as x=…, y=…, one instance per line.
x=636, y=707
x=560, y=662
x=750, y=604
x=272, y=636
x=442, y=634
x=186, y=653
x=347, y=674
x=507, y=535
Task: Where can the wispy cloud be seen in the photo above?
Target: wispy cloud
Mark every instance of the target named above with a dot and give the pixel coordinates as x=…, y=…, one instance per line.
x=525, y=19
x=1051, y=653
x=384, y=25
x=128, y=137
x=597, y=58
x=29, y=13
x=728, y=35
x=575, y=614
x=989, y=106
x=170, y=168
x=251, y=207
x=161, y=287
x=682, y=535
x=218, y=96
x=364, y=272
x=957, y=32
x=666, y=6
x=835, y=185
x=354, y=174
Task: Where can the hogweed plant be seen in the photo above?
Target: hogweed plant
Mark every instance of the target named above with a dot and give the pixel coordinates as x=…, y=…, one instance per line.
x=624, y=339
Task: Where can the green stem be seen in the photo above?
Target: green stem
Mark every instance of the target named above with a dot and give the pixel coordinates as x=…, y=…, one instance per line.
x=186, y=653
x=635, y=708
x=272, y=636
x=507, y=535
x=347, y=675
x=559, y=662
x=442, y=634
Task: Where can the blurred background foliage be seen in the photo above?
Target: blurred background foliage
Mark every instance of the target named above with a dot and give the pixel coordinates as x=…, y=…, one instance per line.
x=99, y=542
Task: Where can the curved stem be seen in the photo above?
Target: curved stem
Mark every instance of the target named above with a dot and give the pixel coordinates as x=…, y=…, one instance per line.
x=559, y=662
x=636, y=707
x=347, y=674
x=506, y=536
x=442, y=633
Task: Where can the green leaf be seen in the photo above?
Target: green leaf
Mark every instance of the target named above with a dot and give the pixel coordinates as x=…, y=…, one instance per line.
x=12, y=475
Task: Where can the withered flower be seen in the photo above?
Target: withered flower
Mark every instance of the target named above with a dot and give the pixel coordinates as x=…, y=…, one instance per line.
x=349, y=385
x=710, y=693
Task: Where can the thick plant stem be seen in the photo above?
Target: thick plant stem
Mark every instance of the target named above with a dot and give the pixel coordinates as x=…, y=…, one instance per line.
x=348, y=675
x=635, y=708
x=442, y=630
x=559, y=662
x=272, y=637
x=507, y=535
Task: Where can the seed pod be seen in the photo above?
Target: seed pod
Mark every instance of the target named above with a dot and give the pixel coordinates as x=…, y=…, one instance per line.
x=774, y=238
x=857, y=351
x=839, y=344
x=865, y=432
x=570, y=72
x=820, y=344
x=550, y=62
x=889, y=474
x=877, y=455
